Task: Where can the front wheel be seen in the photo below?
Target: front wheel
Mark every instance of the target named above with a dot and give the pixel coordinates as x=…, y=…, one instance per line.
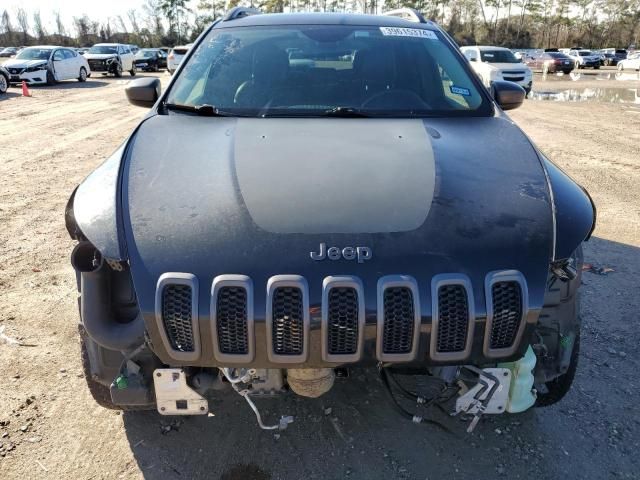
x=118, y=71
x=132, y=72
x=51, y=79
x=4, y=84
x=559, y=387
x=620, y=67
x=83, y=75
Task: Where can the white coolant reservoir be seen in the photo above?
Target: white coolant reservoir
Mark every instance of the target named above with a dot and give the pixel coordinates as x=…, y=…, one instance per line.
x=522, y=396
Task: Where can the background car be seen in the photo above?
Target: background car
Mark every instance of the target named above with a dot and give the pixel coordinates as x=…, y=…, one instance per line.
x=176, y=55
x=4, y=79
x=584, y=58
x=150, y=59
x=47, y=64
x=498, y=63
x=632, y=62
x=113, y=58
x=552, y=62
x=8, y=51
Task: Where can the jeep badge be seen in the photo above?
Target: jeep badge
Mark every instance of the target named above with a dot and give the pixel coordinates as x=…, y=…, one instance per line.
x=348, y=253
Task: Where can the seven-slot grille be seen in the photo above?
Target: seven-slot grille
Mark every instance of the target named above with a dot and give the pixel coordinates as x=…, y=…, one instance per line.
x=398, y=320
x=343, y=317
x=232, y=321
x=453, y=321
x=176, y=316
x=507, y=313
x=287, y=334
x=342, y=328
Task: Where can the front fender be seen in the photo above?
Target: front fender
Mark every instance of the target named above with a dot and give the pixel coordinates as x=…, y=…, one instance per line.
x=574, y=211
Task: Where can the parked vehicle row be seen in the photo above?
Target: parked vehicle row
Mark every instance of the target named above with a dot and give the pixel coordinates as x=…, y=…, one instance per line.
x=150, y=59
x=631, y=62
x=551, y=62
x=113, y=58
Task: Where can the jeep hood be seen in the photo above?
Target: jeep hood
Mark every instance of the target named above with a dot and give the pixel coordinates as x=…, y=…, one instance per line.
x=212, y=196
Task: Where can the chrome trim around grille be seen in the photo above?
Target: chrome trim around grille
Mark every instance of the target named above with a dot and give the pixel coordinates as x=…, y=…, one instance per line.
x=176, y=278
x=437, y=282
x=273, y=284
x=240, y=281
x=391, y=281
x=491, y=279
x=329, y=283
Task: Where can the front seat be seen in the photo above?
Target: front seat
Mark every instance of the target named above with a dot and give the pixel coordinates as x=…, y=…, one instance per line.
x=269, y=70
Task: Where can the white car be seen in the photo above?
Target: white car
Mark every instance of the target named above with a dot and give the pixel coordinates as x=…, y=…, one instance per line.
x=498, y=63
x=112, y=58
x=585, y=58
x=176, y=55
x=632, y=62
x=47, y=64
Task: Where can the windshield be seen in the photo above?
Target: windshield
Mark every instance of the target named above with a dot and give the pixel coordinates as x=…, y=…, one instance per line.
x=103, y=49
x=498, y=56
x=585, y=53
x=305, y=70
x=145, y=52
x=34, y=54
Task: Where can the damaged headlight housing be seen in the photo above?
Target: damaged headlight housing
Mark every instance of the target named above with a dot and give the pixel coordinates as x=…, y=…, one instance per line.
x=36, y=68
x=110, y=60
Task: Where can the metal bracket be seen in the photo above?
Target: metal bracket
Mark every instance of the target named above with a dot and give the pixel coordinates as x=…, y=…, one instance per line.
x=174, y=396
x=489, y=395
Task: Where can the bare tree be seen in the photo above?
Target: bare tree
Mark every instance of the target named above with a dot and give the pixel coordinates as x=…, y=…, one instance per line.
x=38, y=28
x=23, y=21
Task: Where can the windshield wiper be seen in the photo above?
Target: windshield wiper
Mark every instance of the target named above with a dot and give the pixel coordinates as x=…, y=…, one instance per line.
x=345, y=112
x=204, y=110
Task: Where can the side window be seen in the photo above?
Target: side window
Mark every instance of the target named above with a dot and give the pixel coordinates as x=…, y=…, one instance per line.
x=58, y=55
x=68, y=54
x=120, y=50
x=471, y=55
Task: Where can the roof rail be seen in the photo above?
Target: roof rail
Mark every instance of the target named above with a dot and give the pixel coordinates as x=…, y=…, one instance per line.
x=410, y=14
x=240, y=12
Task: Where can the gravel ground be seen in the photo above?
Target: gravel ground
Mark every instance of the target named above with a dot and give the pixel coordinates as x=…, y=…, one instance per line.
x=51, y=428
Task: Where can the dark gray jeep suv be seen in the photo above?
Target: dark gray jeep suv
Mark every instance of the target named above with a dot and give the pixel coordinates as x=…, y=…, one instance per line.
x=318, y=193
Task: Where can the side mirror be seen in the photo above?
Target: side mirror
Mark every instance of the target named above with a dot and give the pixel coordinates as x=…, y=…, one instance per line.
x=508, y=95
x=143, y=92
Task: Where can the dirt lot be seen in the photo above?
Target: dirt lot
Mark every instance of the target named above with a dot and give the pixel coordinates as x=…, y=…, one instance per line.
x=50, y=427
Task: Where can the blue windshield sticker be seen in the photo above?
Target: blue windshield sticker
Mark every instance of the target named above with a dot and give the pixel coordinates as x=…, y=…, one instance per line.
x=460, y=91
x=408, y=32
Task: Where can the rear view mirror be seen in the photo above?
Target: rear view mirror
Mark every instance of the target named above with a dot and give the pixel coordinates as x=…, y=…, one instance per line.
x=143, y=92
x=508, y=95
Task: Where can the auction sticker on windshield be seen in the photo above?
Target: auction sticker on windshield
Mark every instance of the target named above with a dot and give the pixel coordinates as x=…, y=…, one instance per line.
x=408, y=32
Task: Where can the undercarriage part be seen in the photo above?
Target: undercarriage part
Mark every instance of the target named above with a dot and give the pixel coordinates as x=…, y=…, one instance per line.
x=267, y=381
x=421, y=402
x=522, y=395
x=174, y=396
x=244, y=376
x=310, y=382
x=204, y=381
x=489, y=395
x=96, y=309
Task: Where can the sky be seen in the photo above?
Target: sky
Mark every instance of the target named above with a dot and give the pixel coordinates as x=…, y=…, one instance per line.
x=95, y=9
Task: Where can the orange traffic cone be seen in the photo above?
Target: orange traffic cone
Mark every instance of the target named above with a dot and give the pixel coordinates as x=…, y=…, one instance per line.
x=25, y=89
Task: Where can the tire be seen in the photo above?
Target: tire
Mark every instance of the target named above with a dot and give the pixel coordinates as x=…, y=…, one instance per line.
x=82, y=77
x=132, y=72
x=51, y=80
x=558, y=299
x=4, y=84
x=156, y=68
x=118, y=71
x=560, y=386
x=620, y=67
x=98, y=391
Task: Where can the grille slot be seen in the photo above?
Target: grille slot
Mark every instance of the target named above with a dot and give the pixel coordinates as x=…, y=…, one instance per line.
x=507, y=314
x=453, y=319
x=398, y=320
x=287, y=318
x=177, y=317
x=398, y=326
x=232, y=321
x=342, y=328
x=287, y=334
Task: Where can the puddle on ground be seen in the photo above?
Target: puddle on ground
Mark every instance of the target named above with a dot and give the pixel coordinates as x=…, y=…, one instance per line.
x=610, y=95
x=576, y=76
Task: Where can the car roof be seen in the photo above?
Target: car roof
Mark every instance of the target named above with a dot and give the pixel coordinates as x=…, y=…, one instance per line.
x=318, y=18
x=108, y=44
x=45, y=46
